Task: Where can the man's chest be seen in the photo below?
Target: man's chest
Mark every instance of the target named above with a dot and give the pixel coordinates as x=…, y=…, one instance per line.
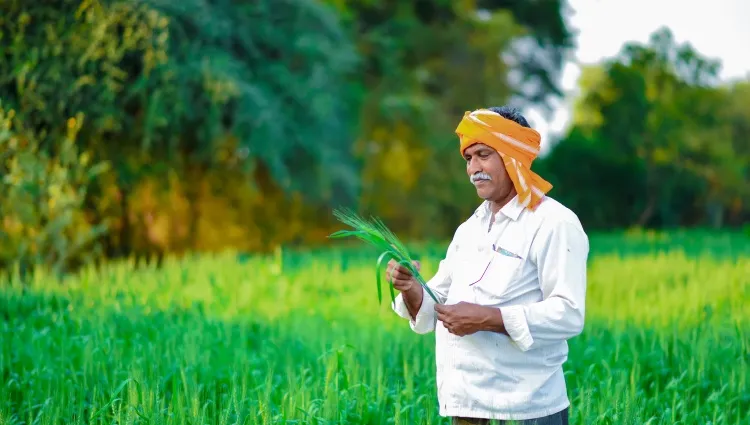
x=493, y=264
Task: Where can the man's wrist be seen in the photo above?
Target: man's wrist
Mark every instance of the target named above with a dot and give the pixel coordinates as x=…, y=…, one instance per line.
x=414, y=294
x=413, y=299
x=493, y=321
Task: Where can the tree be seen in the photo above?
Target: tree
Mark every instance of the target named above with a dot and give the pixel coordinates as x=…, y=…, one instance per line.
x=42, y=195
x=274, y=110
x=425, y=64
x=264, y=89
x=657, y=111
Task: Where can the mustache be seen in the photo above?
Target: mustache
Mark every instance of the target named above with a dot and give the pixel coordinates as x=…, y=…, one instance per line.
x=479, y=176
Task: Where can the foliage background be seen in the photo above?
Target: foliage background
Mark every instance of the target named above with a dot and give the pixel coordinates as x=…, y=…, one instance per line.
x=166, y=126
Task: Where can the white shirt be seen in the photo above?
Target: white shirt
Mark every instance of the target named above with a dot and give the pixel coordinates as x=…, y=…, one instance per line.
x=537, y=278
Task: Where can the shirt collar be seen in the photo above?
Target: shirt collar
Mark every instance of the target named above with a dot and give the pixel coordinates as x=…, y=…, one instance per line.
x=512, y=209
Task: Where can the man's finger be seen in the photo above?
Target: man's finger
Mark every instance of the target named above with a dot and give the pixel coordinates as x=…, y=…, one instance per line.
x=403, y=270
x=401, y=282
x=392, y=273
x=396, y=275
x=396, y=269
x=440, y=308
x=390, y=265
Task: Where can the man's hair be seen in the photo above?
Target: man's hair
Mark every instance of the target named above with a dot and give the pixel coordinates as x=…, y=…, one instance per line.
x=510, y=113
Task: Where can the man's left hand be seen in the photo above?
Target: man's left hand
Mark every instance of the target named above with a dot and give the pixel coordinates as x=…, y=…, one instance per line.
x=466, y=318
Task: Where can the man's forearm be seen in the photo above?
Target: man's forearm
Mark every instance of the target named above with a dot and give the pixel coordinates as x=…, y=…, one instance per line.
x=413, y=300
x=493, y=321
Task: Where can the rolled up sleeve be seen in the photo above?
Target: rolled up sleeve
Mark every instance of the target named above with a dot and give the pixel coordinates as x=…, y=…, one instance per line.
x=426, y=317
x=561, y=253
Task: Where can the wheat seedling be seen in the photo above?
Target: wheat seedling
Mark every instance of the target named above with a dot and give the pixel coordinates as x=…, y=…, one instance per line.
x=377, y=234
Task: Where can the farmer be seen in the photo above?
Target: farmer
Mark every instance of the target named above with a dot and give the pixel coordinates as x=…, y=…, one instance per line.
x=511, y=287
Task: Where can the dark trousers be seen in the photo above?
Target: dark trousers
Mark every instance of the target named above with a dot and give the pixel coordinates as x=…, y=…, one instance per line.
x=560, y=418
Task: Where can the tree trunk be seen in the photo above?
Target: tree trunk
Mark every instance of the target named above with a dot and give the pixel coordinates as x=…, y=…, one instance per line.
x=648, y=212
x=193, y=192
x=652, y=192
x=123, y=247
x=715, y=214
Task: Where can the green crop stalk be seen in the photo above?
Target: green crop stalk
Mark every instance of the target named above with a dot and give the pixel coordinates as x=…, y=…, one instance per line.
x=375, y=233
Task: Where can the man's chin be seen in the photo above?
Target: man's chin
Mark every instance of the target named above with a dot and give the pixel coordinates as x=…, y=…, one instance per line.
x=484, y=193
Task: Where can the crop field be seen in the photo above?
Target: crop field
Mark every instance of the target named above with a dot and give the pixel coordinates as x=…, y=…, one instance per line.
x=299, y=338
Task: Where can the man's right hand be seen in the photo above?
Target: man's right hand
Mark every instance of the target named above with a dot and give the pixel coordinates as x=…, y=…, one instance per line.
x=402, y=279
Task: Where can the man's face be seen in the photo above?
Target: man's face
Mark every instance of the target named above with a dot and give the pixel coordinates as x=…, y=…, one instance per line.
x=487, y=172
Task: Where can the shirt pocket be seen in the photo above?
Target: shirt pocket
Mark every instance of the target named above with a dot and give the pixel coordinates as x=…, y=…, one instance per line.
x=498, y=277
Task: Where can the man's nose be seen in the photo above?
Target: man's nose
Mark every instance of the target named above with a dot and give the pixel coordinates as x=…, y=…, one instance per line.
x=473, y=167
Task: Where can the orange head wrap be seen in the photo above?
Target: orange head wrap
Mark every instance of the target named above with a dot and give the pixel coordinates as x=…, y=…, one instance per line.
x=516, y=144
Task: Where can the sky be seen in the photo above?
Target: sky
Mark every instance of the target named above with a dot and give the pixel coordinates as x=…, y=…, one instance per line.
x=714, y=28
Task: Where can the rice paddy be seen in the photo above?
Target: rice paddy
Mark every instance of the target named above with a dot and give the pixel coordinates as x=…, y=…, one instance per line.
x=299, y=338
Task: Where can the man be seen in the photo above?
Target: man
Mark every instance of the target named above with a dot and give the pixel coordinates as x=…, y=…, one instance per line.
x=511, y=287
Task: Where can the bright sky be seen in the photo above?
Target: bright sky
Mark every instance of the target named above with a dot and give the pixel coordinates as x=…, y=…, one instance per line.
x=715, y=29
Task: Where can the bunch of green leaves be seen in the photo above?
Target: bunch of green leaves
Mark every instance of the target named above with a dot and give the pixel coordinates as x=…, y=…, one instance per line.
x=377, y=234
x=43, y=192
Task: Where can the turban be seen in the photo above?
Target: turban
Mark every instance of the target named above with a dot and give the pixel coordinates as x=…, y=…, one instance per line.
x=517, y=145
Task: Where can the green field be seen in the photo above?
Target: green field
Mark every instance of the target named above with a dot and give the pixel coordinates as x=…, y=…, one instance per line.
x=300, y=338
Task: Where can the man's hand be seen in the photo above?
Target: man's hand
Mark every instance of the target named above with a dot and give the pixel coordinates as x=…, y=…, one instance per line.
x=465, y=318
x=402, y=279
x=407, y=284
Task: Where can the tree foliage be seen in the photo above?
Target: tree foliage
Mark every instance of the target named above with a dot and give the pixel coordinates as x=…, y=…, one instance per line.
x=153, y=126
x=42, y=193
x=261, y=92
x=424, y=64
x=658, y=140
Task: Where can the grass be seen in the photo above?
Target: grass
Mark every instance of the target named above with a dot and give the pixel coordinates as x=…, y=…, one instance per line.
x=302, y=339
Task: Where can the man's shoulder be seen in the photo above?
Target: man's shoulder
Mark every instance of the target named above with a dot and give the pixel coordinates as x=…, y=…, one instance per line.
x=552, y=212
x=556, y=220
